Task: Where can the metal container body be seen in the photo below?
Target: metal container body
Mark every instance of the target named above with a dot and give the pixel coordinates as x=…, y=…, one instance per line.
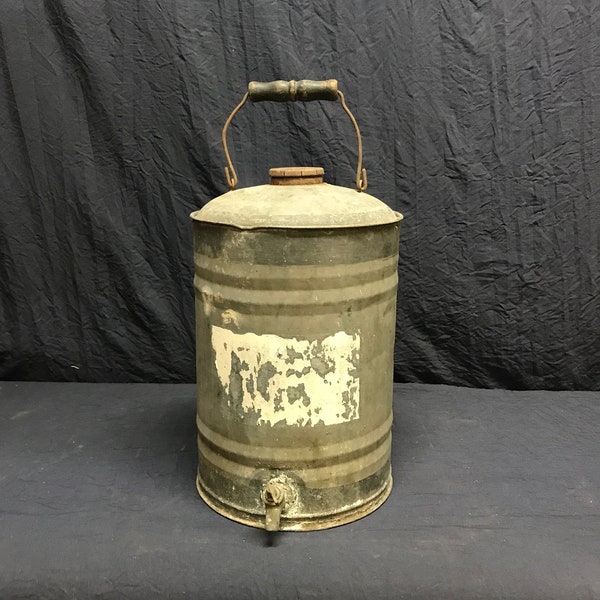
x=295, y=334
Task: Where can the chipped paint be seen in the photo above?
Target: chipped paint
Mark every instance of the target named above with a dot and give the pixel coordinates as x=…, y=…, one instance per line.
x=273, y=380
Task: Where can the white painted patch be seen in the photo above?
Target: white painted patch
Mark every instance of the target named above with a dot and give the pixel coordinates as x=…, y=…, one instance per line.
x=290, y=381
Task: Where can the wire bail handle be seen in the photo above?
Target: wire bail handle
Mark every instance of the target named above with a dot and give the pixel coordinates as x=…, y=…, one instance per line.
x=292, y=91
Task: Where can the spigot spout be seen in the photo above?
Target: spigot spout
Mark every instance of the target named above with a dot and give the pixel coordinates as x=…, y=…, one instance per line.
x=273, y=517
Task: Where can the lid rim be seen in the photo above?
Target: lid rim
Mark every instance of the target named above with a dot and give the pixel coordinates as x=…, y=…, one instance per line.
x=300, y=206
x=296, y=227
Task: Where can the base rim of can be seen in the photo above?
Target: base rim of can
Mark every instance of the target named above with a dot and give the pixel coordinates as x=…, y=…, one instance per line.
x=299, y=524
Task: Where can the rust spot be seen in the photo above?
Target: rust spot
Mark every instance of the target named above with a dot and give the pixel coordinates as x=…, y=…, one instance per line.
x=236, y=392
x=250, y=386
x=297, y=392
x=322, y=365
x=350, y=403
x=230, y=317
x=265, y=372
x=278, y=401
x=292, y=355
x=297, y=373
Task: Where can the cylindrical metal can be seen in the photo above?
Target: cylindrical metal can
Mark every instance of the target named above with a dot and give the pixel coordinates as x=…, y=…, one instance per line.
x=295, y=288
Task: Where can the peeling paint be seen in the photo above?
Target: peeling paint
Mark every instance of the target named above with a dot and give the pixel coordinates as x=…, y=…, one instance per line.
x=269, y=379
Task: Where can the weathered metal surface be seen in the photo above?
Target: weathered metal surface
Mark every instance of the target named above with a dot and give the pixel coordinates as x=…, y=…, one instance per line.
x=294, y=333
x=309, y=206
x=295, y=288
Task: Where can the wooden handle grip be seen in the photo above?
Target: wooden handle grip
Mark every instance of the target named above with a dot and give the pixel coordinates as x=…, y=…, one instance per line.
x=292, y=91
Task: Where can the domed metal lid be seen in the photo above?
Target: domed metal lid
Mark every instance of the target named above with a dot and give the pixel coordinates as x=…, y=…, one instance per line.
x=304, y=203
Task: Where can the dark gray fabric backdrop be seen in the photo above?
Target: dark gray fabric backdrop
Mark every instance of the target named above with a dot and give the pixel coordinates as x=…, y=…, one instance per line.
x=480, y=123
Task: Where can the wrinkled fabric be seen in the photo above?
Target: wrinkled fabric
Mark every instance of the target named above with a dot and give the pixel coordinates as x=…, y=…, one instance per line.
x=479, y=123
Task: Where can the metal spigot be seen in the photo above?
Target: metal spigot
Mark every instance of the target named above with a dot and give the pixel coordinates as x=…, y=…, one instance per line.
x=274, y=497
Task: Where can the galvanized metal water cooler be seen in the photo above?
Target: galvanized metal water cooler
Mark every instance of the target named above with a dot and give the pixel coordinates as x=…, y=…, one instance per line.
x=295, y=287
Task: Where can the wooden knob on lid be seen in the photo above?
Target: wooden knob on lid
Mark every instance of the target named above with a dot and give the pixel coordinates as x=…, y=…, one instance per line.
x=296, y=175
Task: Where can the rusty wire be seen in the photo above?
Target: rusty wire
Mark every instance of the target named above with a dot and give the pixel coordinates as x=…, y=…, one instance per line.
x=230, y=173
x=361, y=174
